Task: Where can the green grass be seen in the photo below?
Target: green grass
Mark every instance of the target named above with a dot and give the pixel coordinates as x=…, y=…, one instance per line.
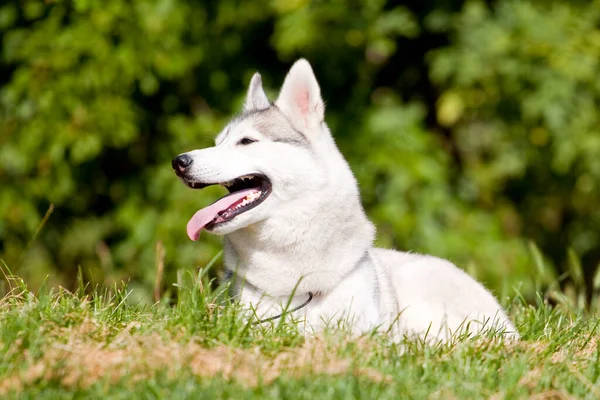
x=57, y=344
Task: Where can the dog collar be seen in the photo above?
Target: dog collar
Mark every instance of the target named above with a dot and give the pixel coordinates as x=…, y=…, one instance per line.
x=310, y=297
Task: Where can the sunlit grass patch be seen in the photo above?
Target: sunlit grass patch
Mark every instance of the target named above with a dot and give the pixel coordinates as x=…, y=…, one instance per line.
x=55, y=343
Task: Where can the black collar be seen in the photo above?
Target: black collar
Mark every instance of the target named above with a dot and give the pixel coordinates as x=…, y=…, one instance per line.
x=310, y=297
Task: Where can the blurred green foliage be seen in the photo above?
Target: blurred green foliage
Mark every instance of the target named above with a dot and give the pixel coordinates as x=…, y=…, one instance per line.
x=472, y=126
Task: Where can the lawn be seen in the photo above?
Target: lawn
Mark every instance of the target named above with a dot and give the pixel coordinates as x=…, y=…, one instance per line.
x=97, y=344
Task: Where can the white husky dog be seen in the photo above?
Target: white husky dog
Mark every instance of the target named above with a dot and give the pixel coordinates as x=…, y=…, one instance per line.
x=297, y=236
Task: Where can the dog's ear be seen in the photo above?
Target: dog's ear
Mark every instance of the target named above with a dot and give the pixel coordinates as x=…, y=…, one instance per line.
x=300, y=97
x=256, y=99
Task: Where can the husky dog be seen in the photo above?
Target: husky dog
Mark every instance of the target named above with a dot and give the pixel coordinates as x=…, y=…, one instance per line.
x=297, y=236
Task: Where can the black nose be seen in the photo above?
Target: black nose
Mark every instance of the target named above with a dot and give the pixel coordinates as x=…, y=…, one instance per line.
x=181, y=162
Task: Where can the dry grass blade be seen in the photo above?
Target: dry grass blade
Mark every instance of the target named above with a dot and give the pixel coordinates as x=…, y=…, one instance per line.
x=160, y=266
x=38, y=230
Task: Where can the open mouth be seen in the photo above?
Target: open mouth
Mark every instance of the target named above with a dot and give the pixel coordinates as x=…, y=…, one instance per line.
x=245, y=193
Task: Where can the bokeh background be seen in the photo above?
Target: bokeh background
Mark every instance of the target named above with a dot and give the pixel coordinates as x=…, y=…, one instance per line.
x=472, y=126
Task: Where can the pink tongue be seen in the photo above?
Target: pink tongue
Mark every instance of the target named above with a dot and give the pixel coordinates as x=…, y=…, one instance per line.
x=207, y=214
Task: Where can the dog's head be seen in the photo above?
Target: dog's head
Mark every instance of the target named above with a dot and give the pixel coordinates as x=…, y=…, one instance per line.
x=268, y=158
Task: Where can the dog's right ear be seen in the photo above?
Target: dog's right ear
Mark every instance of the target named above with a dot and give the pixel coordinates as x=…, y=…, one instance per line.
x=256, y=99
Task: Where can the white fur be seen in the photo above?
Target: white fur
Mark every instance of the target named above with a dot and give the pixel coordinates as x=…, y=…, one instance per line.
x=312, y=235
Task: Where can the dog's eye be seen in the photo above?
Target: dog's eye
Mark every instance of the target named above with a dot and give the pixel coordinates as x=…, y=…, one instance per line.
x=246, y=141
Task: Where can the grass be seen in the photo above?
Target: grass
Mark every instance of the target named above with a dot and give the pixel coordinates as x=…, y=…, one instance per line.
x=58, y=344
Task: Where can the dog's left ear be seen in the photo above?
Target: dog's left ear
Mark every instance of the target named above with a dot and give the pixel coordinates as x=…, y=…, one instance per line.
x=300, y=97
x=256, y=99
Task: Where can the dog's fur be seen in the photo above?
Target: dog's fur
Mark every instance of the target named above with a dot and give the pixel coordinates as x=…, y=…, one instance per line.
x=312, y=235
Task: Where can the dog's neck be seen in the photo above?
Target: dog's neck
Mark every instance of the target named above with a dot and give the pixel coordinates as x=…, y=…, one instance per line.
x=283, y=255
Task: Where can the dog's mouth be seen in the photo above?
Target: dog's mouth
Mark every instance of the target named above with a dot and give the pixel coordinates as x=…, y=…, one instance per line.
x=245, y=193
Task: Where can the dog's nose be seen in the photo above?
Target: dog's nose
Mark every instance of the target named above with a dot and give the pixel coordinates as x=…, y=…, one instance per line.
x=181, y=162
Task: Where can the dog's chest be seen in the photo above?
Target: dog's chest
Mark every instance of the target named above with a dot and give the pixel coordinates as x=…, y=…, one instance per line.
x=352, y=304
